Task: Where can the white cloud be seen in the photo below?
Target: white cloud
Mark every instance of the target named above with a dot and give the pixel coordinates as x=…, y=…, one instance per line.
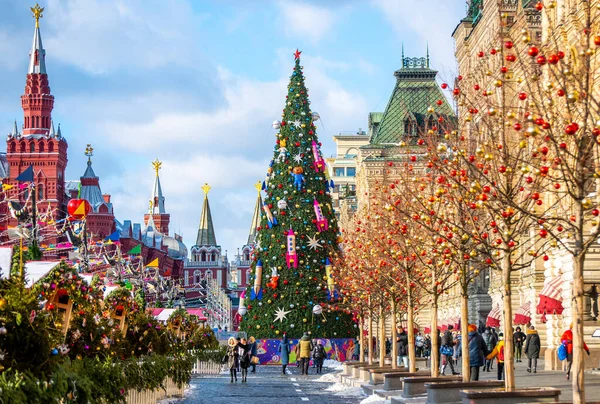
x=99, y=36
x=306, y=20
x=433, y=20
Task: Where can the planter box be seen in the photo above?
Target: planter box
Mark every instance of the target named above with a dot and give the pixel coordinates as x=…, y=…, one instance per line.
x=531, y=395
x=365, y=371
x=415, y=386
x=448, y=392
x=356, y=369
x=393, y=380
x=377, y=374
x=347, y=367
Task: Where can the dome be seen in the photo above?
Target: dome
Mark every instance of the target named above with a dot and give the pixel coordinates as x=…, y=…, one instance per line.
x=176, y=248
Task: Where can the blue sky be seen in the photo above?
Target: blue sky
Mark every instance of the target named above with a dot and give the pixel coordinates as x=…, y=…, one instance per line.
x=197, y=84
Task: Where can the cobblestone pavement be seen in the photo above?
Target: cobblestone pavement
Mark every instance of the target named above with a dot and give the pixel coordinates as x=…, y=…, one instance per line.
x=268, y=386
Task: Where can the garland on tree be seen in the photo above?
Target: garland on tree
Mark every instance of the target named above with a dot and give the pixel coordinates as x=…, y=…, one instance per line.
x=93, y=362
x=297, y=236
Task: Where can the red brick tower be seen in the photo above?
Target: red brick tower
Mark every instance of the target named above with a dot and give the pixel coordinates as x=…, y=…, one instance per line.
x=38, y=144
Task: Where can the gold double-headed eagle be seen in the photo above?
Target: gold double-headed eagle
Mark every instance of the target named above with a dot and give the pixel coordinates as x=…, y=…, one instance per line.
x=37, y=13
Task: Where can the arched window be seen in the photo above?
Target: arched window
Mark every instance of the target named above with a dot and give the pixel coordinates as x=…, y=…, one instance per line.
x=213, y=257
x=203, y=256
x=51, y=147
x=23, y=147
x=13, y=147
x=196, y=277
x=31, y=147
x=40, y=192
x=37, y=121
x=409, y=127
x=42, y=147
x=246, y=255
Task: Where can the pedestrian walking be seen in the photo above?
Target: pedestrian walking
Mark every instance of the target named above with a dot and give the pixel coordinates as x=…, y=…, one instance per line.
x=244, y=358
x=427, y=346
x=477, y=351
x=457, y=348
x=490, y=342
x=305, y=347
x=356, y=353
x=233, y=358
x=253, y=357
x=419, y=344
x=532, y=349
x=318, y=355
x=402, y=342
x=498, y=353
x=518, y=341
x=447, y=350
x=567, y=340
x=284, y=349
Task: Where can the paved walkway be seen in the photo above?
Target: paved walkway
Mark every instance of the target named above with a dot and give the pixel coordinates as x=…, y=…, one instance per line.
x=269, y=386
x=546, y=378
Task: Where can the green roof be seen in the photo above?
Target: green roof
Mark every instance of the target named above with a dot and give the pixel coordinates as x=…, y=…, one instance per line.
x=415, y=91
x=206, y=230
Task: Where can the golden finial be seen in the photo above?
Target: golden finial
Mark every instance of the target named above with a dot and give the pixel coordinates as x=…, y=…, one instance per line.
x=37, y=14
x=89, y=150
x=206, y=188
x=150, y=205
x=157, y=166
x=258, y=186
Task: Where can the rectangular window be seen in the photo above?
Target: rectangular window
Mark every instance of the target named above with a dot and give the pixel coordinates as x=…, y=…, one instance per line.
x=351, y=172
x=339, y=172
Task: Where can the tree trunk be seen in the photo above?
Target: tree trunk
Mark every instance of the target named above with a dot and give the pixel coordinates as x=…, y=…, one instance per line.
x=370, y=341
x=577, y=309
x=464, y=324
x=361, y=339
x=435, y=348
x=509, y=369
x=410, y=324
x=394, y=335
x=381, y=336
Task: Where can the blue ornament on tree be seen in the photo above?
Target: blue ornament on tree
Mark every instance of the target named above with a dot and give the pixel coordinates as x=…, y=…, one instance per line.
x=54, y=352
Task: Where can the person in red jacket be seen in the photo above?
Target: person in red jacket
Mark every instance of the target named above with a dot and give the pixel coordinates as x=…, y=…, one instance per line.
x=567, y=340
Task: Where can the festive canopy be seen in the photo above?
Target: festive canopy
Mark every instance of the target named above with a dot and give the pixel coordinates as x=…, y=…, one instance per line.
x=523, y=314
x=551, y=297
x=493, y=318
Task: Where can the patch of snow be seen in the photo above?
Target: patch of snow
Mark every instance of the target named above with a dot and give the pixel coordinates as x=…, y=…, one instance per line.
x=375, y=399
x=342, y=390
x=328, y=378
x=331, y=364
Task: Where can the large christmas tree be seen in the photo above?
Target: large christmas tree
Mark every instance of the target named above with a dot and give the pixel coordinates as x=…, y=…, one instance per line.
x=291, y=289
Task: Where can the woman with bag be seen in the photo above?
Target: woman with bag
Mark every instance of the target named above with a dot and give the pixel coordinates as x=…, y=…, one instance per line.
x=254, y=360
x=232, y=358
x=567, y=341
x=244, y=358
x=284, y=349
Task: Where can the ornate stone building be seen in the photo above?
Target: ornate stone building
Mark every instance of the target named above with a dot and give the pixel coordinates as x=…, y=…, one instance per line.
x=38, y=144
x=487, y=24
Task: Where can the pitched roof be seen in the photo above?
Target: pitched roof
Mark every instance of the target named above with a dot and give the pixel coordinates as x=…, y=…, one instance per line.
x=37, y=56
x=415, y=91
x=158, y=200
x=206, y=230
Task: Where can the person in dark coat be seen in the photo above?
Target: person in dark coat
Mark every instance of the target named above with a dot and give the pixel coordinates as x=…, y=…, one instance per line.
x=244, y=352
x=318, y=355
x=532, y=348
x=233, y=358
x=252, y=343
x=518, y=341
x=402, y=347
x=448, y=342
x=356, y=353
x=490, y=341
x=284, y=349
x=477, y=351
